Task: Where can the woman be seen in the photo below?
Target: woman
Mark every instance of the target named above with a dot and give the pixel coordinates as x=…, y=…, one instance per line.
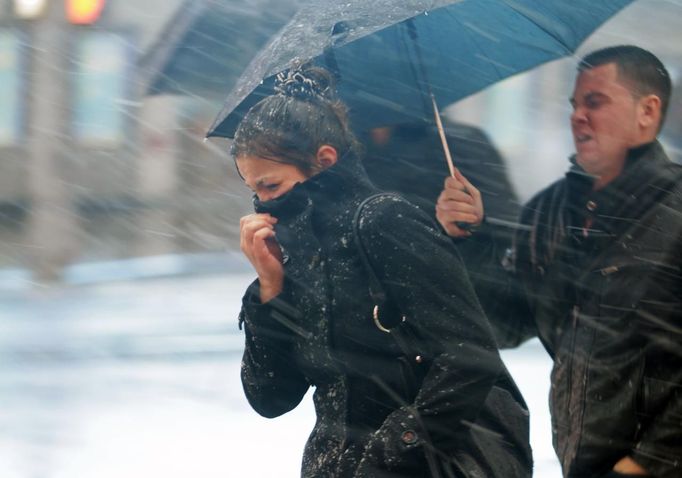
x=442, y=405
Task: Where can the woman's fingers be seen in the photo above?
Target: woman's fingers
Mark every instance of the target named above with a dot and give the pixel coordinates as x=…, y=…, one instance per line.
x=260, y=243
x=257, y=241
x=251, y=224
x=267, y=259
x=274, y=249
x=255, y=221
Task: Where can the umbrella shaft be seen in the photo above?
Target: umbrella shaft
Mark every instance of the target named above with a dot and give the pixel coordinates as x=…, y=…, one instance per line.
x=441, y=133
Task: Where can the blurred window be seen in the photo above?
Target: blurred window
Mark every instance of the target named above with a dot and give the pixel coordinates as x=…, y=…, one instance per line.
x=102, y=69
x=11, y=72
x=29, y=9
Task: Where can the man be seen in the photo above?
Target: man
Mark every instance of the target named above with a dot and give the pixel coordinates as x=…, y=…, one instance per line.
x=596, y=265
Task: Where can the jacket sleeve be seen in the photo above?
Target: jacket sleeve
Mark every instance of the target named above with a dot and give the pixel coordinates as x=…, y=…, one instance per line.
x=271, y=384
x=423, y=274
x=659, y=449
x=491, y=259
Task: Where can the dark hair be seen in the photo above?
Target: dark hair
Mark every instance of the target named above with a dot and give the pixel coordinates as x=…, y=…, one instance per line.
x=641, y=67
x=291, y=125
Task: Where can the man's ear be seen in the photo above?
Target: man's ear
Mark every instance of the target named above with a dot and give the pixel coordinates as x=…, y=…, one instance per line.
x=326, y=156
x=650, y=111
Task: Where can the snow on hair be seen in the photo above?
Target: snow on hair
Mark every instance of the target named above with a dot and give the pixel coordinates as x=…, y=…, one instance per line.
x=299, y=83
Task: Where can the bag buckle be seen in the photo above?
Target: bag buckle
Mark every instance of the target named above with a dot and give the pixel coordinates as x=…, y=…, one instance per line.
x=377, y=322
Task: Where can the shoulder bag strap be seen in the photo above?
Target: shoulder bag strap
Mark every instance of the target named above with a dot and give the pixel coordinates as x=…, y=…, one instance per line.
x=376, y=290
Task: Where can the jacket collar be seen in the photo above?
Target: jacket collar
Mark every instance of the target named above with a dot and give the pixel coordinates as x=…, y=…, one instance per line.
x=644, y=176
x=643, y=164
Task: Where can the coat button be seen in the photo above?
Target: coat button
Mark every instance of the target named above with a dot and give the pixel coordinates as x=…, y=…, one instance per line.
x=418, y=359
x=409, y=437
x=591, y=206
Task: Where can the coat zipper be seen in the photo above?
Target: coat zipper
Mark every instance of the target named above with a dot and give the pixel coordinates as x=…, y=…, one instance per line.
x=574, y=325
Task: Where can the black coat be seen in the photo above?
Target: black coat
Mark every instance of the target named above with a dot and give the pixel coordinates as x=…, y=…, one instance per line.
x=319, y=332
x=606, y=302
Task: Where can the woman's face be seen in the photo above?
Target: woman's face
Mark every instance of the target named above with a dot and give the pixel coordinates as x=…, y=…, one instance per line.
x=267, y=178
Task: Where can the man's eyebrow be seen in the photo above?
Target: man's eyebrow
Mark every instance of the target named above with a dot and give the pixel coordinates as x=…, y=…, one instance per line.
x=587, y=96
x=595, y=94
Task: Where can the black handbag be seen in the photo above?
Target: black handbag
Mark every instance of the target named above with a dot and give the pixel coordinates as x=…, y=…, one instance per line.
x=389, y=319
x=386, y=316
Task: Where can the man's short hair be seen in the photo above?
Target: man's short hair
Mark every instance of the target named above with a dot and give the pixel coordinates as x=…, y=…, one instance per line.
x=637, y=65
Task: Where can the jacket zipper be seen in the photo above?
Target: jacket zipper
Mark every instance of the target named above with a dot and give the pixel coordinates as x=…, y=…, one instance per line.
x=609, y=270
x=574, y=325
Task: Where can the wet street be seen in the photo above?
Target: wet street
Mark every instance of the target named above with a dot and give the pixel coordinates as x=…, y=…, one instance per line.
x=140, y=378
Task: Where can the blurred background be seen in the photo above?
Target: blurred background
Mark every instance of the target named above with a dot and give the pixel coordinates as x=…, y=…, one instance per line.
x=120, y=275
x=103, y=114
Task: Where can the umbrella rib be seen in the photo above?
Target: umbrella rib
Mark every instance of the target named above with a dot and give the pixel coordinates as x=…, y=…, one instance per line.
x=518, y=9
x=417, y=48
x=413, y=68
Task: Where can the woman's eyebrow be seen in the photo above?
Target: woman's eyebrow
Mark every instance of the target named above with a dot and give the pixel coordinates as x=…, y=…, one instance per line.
x=261, y=181
x=264, y=181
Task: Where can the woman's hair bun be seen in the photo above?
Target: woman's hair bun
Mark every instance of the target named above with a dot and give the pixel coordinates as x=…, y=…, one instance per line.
x=305, y=82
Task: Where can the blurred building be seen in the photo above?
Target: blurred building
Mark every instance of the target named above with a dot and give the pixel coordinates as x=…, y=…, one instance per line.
x=91, y=168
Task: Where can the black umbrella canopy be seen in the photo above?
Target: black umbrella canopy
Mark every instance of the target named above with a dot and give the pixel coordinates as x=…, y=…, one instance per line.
x=388, y=56
x=318, y=26
x=207, y=44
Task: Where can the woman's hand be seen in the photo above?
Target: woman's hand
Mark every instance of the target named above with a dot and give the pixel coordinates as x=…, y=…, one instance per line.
x=459, y=202
x=258, y=243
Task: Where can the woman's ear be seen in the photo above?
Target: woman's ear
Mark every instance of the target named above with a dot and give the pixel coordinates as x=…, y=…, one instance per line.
x=326, y=156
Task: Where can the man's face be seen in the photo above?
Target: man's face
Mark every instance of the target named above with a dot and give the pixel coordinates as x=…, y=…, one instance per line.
x=604, y=120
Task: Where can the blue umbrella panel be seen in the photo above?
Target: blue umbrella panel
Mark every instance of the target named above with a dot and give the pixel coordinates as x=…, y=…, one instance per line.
x=387, y=58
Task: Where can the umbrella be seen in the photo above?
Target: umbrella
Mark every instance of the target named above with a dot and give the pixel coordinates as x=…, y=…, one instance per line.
x=207, y=44
x=389, y=56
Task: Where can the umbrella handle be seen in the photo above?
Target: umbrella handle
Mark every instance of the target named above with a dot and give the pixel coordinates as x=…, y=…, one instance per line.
x=448, y=157
x=441, y=133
